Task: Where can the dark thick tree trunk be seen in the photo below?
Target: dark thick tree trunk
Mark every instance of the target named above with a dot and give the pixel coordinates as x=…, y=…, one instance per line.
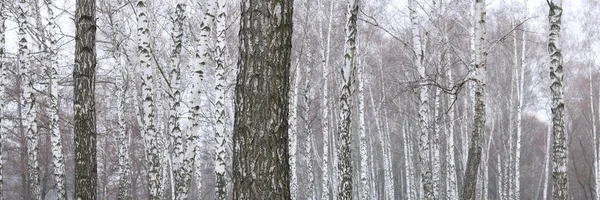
x=260, y=150
x=84, y=106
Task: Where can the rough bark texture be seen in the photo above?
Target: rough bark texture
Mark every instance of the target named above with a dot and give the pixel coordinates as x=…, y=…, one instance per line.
x=560, y=190
x=475, y=150
x=220, y=137
x=293, y=135
x=260, y=151
x=123, y=139
x=308, y=145
x=84, y=106
x=181, y=175
x=435, y=146
x=2, y=87
x=364, y=157
x=344, y=135
x=151, y=135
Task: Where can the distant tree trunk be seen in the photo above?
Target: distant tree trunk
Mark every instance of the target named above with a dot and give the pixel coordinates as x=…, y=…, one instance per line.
x=479, y=115
x=309, y=135
x=260, y=153
x=435, y=146
x=28, y=75
x=559, y=172
x=182, y=176
x=451, y=188
x=364, y=157
x=408, y=164
x=424, y=144
x=293, y=134
x=84, y=106
x=521, y=74
x=326, y=181
x=152, y=143
x=220, y=137
x=348, y=72
x=595, y=140
x=3, y=81
x=547, y=162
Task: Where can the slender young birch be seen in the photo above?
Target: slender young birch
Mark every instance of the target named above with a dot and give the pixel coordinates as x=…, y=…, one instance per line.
x=153, y=154
x=260, y=151
x=594, y=138
x=408, y=166
x=182, y=176
x=123, y=138
x=435, y=146
x=84, y=106
x=220, y=137
x=389, y=178
x=547, y=162
x=2, y=87
x=293, y=134
x=344, y=136
x=424, y=144
x=560, y=187
x=451, y=188
x=28, y=77
x=364, y=187
x=325, y=51
x=479, y=76
x=521, y=74
x=510, y=165
x=52, y=69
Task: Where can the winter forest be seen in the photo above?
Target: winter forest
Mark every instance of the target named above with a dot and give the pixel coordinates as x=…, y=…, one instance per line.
x=304, y=99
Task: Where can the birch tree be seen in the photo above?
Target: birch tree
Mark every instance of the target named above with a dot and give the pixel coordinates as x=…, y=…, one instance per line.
x=560, y=189
x=424, y=145
x=293, y=134
x=308, y=145
x=595, y=140
x=521, y=74
x=27, y=73
x=84, y=106
x=220, y=137
x=325, y=52
x=451, y=188
x=260, y=153
x=52, y=70
x=181, y=174
x=364, y=187
x=151, y=135
x=479, y=77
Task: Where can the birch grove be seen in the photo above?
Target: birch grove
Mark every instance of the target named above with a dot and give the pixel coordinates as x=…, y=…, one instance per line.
x=156, y=99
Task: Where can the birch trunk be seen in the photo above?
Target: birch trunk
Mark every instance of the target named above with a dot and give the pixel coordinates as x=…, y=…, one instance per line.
x=364, y=187
x=344, y=136
x=595, y=141
x=125, y=189
x=3, y=81
x=408, y=164
x=52, y=70
x=389, y=178
x=435, y=147
x=479, y=76
x=424, y=144
x=293, y=134
x=511, y=131
x=84, y=106
x=547, y=163
x=326, y=181
x=520, y=93
x=559, y=147
x=451, y=188
x=220, y=137
x=181, y=176
x=27, y=73
x=308, y=145
x=152, y=143
x=260, y=169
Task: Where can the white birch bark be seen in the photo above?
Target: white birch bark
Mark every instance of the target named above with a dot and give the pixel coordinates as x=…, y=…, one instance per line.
x=511, y=131
x=559, y=147
x=220, y=83
x=521, y=74
x=424, y=144
x=181, y=176
x=451, y=188
x=479, y=116
x=308, y=145
x=344, y=136
x=125, y=189
x=547, y=163
x=326, y=181
x=364, y=187
x=52, y=70
x=595, y=140
x=3, y=81
x=408, y=165
x=435, y=146
x=27, y=78
x=389, y=178
x=153, y=147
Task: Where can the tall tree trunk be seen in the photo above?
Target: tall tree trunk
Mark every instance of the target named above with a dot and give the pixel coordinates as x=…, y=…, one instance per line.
x=2, y=87
x=84, y=106
x=260, y=153
x=595, y=141
x=28, y=75
x=479, y=114
x=435, y=146
x=325, y=51
x=521, y=74
x=559, y=147
x=52, y=69
x=181, y=175
x=293, y=133
x=220, y=137
x=424, y=144
x=547, y=163
x=123, y=138
x=364, y=157
x=308, y=145
x=151, y=135
x=344, y=136
x=451, y=188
